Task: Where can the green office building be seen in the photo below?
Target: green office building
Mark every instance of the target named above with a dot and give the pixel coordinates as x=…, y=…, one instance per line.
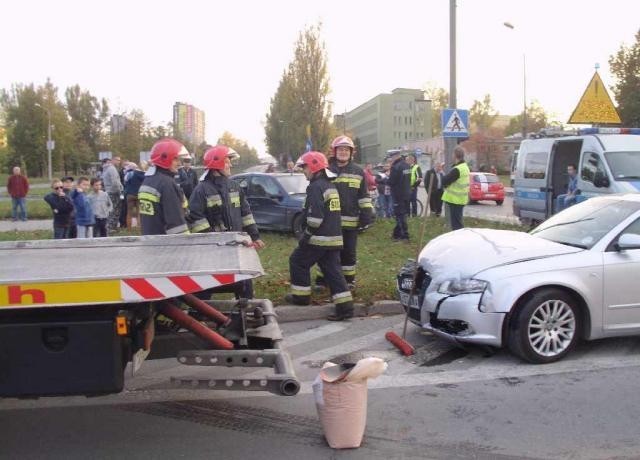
x=389, y=121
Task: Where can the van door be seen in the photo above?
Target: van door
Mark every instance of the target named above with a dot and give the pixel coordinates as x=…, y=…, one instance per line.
x=592, y=170
x=530, y=182
x=565, y=152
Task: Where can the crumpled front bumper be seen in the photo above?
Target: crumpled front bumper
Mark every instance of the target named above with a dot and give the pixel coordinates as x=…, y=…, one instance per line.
x=457, y=318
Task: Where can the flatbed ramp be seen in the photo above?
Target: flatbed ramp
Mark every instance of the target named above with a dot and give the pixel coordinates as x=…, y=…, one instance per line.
x=119, y=285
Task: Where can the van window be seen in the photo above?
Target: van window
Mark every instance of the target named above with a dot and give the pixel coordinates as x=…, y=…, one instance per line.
x=535, y=165
x=591, y=164
x=624, y=165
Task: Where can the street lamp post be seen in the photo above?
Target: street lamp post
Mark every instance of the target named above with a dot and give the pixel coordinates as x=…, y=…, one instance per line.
x=50, y=144
x=524, y=86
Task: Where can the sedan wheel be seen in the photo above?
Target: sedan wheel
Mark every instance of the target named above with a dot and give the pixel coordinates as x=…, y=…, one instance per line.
x=545, y=328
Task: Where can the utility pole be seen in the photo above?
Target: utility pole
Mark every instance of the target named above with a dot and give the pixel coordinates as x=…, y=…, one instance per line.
x=524, y=84
x=451, y=142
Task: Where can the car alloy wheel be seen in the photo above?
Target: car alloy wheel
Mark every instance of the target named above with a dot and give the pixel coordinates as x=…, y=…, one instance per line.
x=551, y=328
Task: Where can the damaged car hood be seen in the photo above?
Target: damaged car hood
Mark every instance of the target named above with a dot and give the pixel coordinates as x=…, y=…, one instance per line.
x=465, y=252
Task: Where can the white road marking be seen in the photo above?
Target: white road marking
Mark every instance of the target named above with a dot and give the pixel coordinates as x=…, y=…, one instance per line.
x=312, y=334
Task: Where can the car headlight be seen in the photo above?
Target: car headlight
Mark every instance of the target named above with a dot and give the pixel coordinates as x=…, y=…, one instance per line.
x=462, y=286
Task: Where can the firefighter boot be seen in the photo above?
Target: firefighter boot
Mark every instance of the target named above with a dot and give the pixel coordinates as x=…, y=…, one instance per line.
x=343, y=311
x=297, y=299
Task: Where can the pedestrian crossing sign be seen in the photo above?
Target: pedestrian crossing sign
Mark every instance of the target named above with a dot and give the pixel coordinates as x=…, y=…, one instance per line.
x=455, y=123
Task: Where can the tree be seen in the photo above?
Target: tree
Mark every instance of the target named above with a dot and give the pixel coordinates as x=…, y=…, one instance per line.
x=136, y=137
x=625, y=66
x=439, y=100
x=537, y=118
x=300, y=107
x=248, y=155
x=482, y=114
x=26, y=120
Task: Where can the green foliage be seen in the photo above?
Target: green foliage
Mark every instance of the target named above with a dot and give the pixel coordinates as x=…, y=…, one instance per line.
x=300, y=103
x=625, y=66
x=537, y=118
x=248, y=155
x=439, y=98
x=482, y=114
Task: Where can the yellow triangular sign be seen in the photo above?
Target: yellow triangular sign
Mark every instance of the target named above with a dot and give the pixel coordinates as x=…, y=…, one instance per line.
x=595, y=105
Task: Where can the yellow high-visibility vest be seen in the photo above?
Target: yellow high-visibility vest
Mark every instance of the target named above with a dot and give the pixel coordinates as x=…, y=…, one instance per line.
x=458, y=192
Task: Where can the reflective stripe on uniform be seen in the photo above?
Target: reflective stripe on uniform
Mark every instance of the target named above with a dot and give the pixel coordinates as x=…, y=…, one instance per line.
x=147, y=190
x=348, y=270
x=234, y=199
x=365, y=203
x=330, y=194
x=179, y=229
x=248, y=220
x=326, y=240
x=352, y=180
x=145, y=196
x=200, y=225
x=214, y=200
x=342, y=297
x=300, y=290
x=349, y=221
x=314, y=222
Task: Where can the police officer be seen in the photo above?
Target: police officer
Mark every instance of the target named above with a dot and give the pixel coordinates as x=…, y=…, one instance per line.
x=218, y=204
x=400, y=183
x=456, y=189
x=355, y=203
x=162, y=203
x=321, y=240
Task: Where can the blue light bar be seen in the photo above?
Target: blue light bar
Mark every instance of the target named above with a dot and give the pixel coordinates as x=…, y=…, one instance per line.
x=584, y=131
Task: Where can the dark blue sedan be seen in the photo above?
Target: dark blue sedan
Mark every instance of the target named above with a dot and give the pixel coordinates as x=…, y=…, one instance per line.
x=276, y=199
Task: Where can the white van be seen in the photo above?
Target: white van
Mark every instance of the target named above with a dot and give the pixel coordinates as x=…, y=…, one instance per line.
x=607, y=161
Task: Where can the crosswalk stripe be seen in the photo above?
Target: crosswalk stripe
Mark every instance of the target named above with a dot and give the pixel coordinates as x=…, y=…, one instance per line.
x=312, y=334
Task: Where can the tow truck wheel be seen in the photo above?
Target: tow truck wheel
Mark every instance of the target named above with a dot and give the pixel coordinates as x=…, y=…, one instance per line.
x=545, y=328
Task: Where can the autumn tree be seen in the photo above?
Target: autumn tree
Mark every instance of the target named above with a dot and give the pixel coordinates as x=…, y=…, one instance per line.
x=625, y=66
x=300, y=106
x=537, y=118
x=248, y=155
x=482, y=114
x=439, y=98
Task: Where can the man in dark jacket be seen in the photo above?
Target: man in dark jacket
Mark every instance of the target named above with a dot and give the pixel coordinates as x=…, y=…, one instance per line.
x=218, y=204
x=62, y=207
x=435, y=176
x=162, y=203
x=400, y=183
x=321, y=240
x=187, y=178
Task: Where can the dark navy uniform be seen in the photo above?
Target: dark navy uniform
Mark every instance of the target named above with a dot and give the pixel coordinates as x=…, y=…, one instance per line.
x=321, y=243
x=356, y=211
x=162, y=204
x=400, y=183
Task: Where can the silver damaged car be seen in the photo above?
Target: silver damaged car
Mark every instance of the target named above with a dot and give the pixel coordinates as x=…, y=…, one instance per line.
x=576, y=276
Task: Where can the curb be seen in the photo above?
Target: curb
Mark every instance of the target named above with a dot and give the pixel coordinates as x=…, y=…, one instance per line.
x=291, y=313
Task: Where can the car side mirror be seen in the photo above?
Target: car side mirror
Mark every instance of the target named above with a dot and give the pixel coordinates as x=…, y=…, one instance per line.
x=600, y=180
x=628, y=241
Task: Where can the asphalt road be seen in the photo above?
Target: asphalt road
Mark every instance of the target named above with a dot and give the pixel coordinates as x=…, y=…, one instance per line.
x=443, y=403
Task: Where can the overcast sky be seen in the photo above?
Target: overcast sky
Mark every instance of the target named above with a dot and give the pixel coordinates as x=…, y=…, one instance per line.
x=227, y=57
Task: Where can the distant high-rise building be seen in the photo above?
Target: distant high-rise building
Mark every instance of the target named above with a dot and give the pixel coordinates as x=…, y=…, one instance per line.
x=118, y=124
x=188, y=122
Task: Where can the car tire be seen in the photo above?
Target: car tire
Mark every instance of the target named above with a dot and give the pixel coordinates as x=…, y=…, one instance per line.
x=296, y=225
x=473, y=202
x=546, y=327
x=499, y=202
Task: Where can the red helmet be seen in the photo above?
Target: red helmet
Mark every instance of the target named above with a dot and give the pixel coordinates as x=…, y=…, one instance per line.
x=165, y=151
x=316, y=161
x=342, y=141
x=215, y=156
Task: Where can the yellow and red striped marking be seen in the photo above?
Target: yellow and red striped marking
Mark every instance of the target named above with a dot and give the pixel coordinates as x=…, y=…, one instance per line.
x=110, y=291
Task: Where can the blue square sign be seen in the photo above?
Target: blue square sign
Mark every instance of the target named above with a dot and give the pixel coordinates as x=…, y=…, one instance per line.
x=455, y=123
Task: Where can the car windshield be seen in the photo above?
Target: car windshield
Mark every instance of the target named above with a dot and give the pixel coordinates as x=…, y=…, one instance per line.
x=294, y=183
x=584, y=224
x=624, y=165
x=489, y=178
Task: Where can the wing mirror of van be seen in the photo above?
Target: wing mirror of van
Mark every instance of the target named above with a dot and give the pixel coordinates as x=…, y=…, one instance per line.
x=601, y=180
x=628, y=241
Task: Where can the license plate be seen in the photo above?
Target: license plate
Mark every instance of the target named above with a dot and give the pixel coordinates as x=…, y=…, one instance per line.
x=490, y=195
x=404, y=300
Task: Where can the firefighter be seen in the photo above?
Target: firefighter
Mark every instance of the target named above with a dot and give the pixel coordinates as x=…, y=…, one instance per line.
x=321, y=240
x=218, y=204
x=162, y=203
x=355, y=203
